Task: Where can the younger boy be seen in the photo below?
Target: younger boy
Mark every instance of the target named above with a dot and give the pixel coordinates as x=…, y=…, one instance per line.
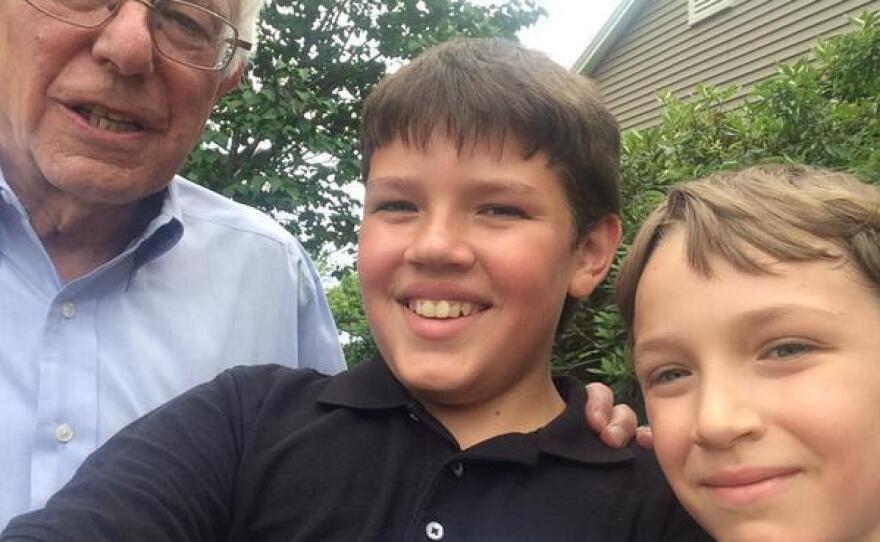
x=753, y=308
x=491, y=200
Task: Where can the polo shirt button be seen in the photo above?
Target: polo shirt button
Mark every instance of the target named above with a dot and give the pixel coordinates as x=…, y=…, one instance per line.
x=63, y=433
x=413, y=417
x=458, y=469
x=434, y=531
x=68, y=309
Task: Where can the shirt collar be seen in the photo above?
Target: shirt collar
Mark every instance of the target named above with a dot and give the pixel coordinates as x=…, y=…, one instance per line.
x=371, y=386
x=568, y=436
x=368, y=386
x=163, y=231
x=8, y=197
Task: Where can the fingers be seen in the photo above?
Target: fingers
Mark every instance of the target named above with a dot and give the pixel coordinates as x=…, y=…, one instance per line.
x=622, y=427
x=600, y=402
x=645, y=437
x=615, y=425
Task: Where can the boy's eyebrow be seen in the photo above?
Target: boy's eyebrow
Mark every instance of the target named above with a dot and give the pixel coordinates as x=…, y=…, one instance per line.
x=497, y=185
x=476, y=184
x=391, y=181
x=656, y=344
x=746, y=320
x=764, y=316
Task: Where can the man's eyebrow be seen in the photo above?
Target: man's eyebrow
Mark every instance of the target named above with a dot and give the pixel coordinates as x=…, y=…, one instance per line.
x=212, y=7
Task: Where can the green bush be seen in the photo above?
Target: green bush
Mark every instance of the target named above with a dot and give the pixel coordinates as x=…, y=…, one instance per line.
x=820, y=111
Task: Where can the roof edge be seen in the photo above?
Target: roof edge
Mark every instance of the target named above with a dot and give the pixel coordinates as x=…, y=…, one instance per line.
x=607, y=35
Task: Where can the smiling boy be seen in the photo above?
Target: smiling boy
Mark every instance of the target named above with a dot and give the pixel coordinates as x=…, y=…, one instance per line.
x=491, y=201
x=752, y=304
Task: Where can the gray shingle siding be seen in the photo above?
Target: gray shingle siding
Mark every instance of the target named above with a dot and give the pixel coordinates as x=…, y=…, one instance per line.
x=741, y=45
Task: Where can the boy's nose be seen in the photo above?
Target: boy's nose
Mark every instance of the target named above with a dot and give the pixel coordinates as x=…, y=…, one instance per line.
x=125, y=41
x=725, y=415
x=440, y=242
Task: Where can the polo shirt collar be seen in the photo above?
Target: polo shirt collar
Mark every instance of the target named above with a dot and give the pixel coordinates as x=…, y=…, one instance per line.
x=569, y=437
x=368, y=386
x=372, y=386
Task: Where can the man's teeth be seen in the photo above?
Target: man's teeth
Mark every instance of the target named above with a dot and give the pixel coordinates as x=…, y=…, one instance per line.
x=102, y=119
x=440, y=309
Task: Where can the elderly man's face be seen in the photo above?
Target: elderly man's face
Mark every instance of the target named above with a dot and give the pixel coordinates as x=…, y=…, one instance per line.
x=97, y=114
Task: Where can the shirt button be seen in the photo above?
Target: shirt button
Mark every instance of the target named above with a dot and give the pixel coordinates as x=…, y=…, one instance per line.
x=413, y=416
x=63, y=433
x=434, y=531
x=68, y=309
x=458, y=469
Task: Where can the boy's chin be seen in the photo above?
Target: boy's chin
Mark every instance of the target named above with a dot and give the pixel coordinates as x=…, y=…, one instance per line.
x=438, y=381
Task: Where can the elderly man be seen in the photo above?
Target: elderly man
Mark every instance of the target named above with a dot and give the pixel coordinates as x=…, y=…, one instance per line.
x=121, y=284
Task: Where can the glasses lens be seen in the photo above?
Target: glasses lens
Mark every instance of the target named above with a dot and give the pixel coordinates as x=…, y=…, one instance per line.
x=193, y=35
x=85, y=13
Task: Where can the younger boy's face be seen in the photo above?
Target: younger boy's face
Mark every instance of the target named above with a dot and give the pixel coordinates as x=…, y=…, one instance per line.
x=763, y=392
x=465, y=260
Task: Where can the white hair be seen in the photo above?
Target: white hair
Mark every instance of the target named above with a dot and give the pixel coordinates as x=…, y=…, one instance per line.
x=245, y=16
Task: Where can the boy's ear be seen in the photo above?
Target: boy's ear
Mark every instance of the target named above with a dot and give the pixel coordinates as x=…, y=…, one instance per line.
x=595, y=252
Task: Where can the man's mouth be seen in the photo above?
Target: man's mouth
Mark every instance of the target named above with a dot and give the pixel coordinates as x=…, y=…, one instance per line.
x=102, y=119
x=442, y=308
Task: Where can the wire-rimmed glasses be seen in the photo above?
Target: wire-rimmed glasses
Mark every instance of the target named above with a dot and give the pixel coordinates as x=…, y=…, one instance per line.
x=182, y=31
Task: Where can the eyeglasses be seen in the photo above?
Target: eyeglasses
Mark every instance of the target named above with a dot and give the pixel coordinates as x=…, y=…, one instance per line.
x=181, y=31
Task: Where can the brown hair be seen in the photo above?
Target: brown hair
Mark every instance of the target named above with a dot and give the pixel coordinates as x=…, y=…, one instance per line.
x=490, y=91
x=792, y=213
x=494, y=91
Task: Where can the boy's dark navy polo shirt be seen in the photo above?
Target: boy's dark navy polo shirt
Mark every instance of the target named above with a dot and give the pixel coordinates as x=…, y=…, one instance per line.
x=265, y=454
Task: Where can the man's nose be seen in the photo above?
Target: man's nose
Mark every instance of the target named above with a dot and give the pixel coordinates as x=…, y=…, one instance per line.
x=125, y=41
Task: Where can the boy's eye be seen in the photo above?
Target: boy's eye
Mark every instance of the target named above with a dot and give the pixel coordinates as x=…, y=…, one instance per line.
x=668, y=376
x=788, y=350
x=395, y=206
x=503, y=211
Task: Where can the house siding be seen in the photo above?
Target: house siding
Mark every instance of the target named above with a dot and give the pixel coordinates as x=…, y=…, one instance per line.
x=741, y=46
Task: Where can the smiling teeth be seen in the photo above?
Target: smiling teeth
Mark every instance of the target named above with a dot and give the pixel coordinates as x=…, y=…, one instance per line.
x=102, y=119
x=440, y=309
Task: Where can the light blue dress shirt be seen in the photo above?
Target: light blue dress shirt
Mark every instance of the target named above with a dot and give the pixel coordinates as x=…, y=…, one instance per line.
x=210, y=284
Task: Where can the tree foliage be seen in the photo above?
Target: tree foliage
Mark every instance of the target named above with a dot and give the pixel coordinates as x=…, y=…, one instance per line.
x=348, y=311
x=821, y=110
x=286, y=141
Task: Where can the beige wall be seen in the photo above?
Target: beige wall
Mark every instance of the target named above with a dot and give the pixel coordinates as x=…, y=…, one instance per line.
x=659, y=51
